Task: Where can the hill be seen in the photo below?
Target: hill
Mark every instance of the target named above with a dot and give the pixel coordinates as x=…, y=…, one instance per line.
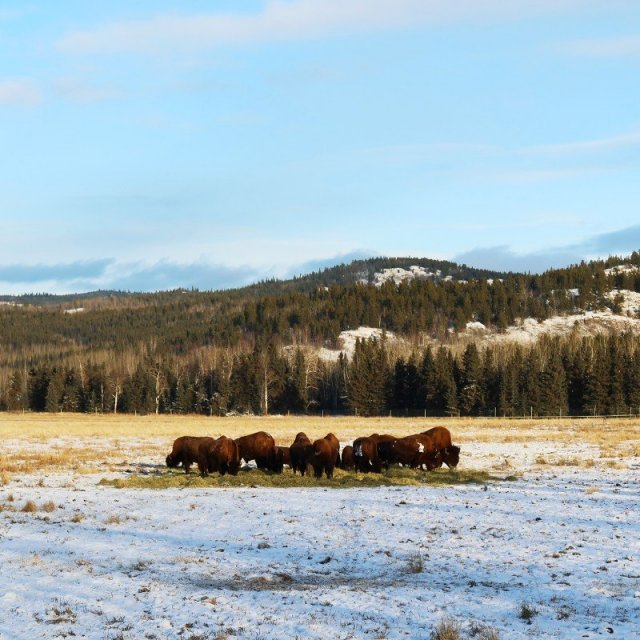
x=280, y=345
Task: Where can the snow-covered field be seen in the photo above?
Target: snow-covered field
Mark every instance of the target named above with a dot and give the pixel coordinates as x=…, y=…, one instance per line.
x=559, y=545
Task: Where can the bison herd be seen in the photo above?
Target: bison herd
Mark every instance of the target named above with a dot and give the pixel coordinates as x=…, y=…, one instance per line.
x=427, y=450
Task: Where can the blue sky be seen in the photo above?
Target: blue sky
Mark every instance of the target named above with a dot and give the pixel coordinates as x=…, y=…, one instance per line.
x=164, y=144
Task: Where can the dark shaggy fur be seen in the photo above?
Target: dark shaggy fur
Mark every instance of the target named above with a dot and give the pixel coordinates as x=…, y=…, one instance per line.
x=185, y=451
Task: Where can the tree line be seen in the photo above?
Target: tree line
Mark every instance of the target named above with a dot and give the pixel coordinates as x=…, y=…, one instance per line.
x=556, y=376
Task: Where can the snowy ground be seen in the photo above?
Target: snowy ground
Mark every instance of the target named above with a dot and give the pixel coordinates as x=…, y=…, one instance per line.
x=253, y=563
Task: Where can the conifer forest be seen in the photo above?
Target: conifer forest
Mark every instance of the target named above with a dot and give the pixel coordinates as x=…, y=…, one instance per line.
x=256, y=350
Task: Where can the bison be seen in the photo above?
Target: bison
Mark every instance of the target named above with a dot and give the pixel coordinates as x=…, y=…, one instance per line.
x=185, y=451
x=222, y=455
x=324, y=457
x=260, y=447
x=335, y=443
x=441, y=437
x=365, y=455
x=411, y=451
x=347, y=462
x=300, y=452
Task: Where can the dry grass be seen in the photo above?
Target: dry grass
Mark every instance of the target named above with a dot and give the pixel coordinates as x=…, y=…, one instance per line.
x=447, y=629
x=5, y=478
x=527, y=611
x=49, y=506
x=113, y=519
x=29, y=461
x=415, y=563
x=43, y=426
x=396, y=477
x=591, y=490
x=29, y=507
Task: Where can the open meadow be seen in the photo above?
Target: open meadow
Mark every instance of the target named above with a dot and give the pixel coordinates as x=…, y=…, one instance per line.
x=535, y=535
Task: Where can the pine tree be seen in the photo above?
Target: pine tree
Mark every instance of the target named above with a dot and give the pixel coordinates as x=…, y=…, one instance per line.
x=445, y=402
x=553, y=385
x=616, y=404
x=596, y=382
x=369, y=379
x=470, y=384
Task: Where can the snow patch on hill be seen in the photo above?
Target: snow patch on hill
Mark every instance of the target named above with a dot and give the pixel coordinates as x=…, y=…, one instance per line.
x=529, y=330
x=621, y=268
x=631, y=303
x=476, y=327
x=398, y=275
x=347, y=342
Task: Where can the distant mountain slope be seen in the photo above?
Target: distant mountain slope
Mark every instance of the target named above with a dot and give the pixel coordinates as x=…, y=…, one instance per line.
x=342, y=274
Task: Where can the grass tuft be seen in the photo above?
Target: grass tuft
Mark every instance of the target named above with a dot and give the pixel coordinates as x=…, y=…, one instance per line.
x=481, y=631
x=447, y=629
x=415, y=563
x=527, y=612
x=29, y=507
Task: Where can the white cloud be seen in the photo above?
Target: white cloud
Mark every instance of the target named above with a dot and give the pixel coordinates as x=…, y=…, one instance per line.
x=624, y=46
x=630, y=139
x=21, y=92
x=302, y=19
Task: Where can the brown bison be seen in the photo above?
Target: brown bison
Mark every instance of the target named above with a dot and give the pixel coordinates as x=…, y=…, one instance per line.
x=185, y=451
x=365, y=455
x=441, y=437
x=335, y=443
x=222, y=455
x=412, y=451
x=347, y=458
x=301, y=452
x=260, y=447
x=324, y=457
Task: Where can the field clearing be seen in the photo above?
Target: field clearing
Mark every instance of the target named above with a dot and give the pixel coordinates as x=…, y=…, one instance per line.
x=537, y=535
x=90, y=443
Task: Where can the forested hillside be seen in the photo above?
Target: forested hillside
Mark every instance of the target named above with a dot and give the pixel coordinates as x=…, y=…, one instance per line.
x=256, y=349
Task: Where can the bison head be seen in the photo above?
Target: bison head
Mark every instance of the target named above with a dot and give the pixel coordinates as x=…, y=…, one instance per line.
x=451, y=456
x=277, y=461
x=171, y=462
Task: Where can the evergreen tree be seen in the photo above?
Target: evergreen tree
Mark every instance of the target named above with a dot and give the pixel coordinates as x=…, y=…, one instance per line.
x=368, y=378
x=470, y=384
x=616, y=404
x=596, y=380
x=553, y=385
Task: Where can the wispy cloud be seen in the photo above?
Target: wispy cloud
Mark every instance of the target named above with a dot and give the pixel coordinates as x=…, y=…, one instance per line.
x=108, y=273
x=301, y=19
x=23, y=273
x=76, y=90
x=620, y=47
x=20, y=92
x=165, y=275
x=620, y=141
x=503, y=258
